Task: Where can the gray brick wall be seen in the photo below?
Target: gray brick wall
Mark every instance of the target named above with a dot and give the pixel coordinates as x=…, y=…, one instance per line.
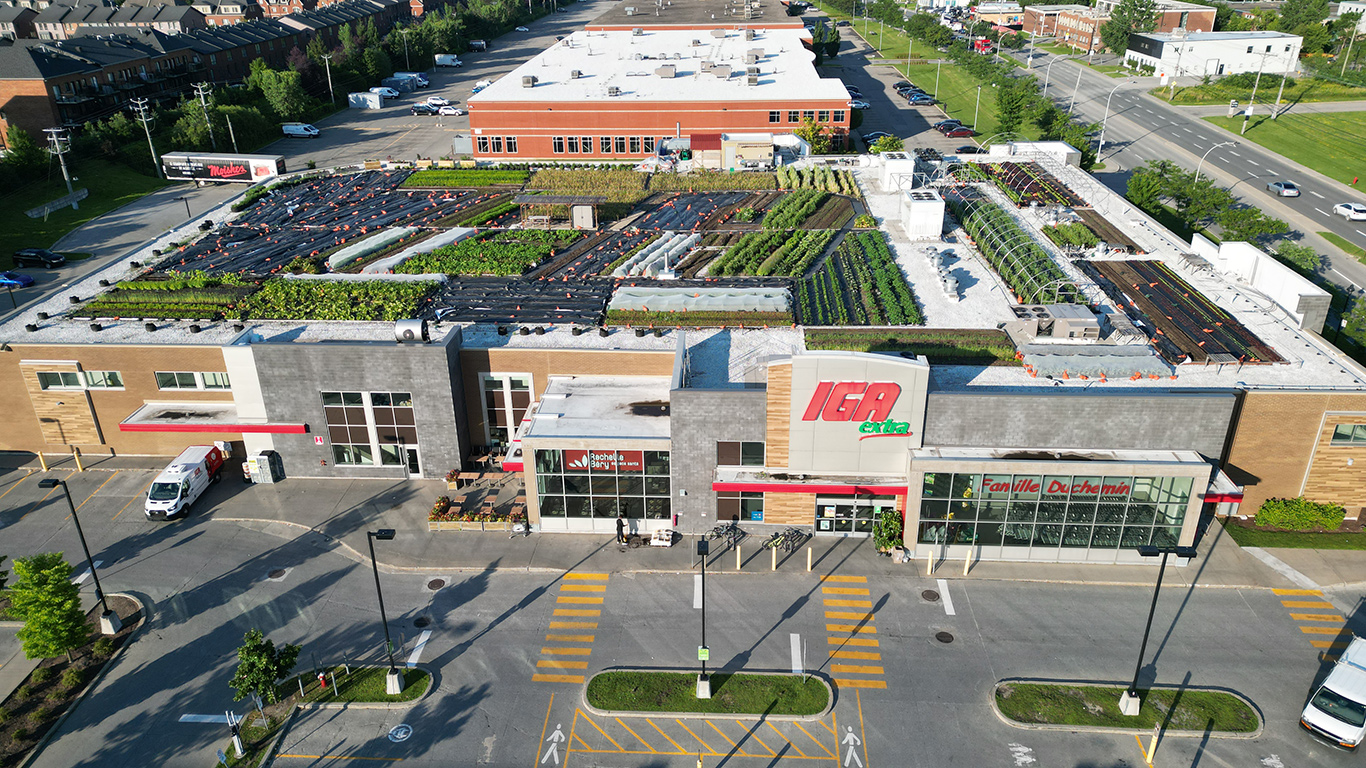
x=1197, y=421
x=698, y=419
x=293, y=376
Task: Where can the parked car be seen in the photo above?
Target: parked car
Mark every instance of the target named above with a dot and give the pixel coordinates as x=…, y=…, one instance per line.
x=422, y=108
x=903, y=84
x=1284, y=188
x=523, y=29
x=922, y=100
x=873, y=136
x=905, y=89
x=449, y=110
x=856, y=104
x=939, y=126
x=38, y=257
x=842, y=23
x=15, y=279
x=385, y=92
x=300, y=130
x=959, y=132
x=437, y=101
x=559, y=38
x=1351, y=211
x=970, y=149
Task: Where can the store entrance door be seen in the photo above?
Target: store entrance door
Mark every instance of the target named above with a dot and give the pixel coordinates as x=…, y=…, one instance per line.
x=850, y=515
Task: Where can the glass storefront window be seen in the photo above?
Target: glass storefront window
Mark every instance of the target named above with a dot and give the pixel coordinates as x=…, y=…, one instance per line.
x=937, y=484
x=966, y=486
x=601, y=483
x=850, y=514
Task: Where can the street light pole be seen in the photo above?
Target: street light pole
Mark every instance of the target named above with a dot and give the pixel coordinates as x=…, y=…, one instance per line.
x=186, y=201
x=1048, y=70
x=1105, y=120
x=1074, y=92
x=1202, y=158
x=977, y=109
x=327, y=65
x=1129, y=703
x=109, y=621
x=407, y=63
x=1247, y=114
x=703, y=682
x=393, y=681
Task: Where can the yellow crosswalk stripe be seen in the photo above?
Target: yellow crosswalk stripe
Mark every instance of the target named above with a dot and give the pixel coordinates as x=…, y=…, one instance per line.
x=579, y=600
x=843, y=591
x=848, y=604
x=853, y=628
x=556, y=664
x=566, y=651
x=1321, y=630
x=846, y=579
x=1296, y=592
x=1306, y=604
x=587, y=576
x=573, y=625
x=576, y=612
x=557, y=678
x=855, y=669
x=569, y=638
x=862, y=642
x=860, y=683
x=1328, y=643
x=859, y=655
x=583, y=587
x=849, y=615
x=1318, y=617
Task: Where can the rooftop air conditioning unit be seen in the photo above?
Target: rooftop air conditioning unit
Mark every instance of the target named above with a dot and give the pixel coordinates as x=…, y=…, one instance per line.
x=696, y=43
x=749, y=34
x=722, y=71
x=718, y=33
x=667, y=70
x=637, y=31
x=752, y=80
x=630, y=10
x=575, y=74
x=411, y=332
x=757, y=53
x=707, y=66
x=750, y=58
x=752, y=71
x=613, y=91
x=528, y=81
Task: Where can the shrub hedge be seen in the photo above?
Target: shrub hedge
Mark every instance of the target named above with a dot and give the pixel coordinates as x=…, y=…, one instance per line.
x=1300, y=514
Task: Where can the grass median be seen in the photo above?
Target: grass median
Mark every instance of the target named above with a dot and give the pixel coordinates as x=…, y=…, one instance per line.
x=735, y=694
x=1345, y=244
x=1327, y=142
x=1098, y=706
x=1256, y=537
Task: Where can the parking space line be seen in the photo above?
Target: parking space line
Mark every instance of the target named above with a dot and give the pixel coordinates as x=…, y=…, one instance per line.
x=557, y=664
x=573, y=625
x=97, y=490
x=849, y=603
x=604, y=733
x=815, y=740
x=135, y=498
x=35, y=505
x=795, y=748
x=699, y=738
x=862, y=732
x=569, y=638
x=665, y=735
x=755, y=736
x=738, y=751
x=633, y=733
x=15, y=484
x=828, y=727
x=544, y=725
x=1318, y=617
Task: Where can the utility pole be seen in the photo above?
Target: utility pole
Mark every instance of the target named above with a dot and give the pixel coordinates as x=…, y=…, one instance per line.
x=59, y=144
x=977, y=109
x=327, y=64
x=1276, y=108
x=1253, y=100
x=231, y=134
x=1351, y=38
x=202, y=91
x=407, y=62
x=1172, y=93
x=144, y=116
x=1074, y=92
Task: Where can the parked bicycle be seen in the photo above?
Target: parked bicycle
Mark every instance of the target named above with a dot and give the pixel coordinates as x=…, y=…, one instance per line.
x=731, y=532
x=789, y=540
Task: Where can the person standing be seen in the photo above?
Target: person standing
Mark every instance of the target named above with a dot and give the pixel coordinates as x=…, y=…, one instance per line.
x=621, y=529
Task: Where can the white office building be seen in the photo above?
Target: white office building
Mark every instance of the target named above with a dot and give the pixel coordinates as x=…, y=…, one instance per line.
x=1214, y=53
x=1354, y=6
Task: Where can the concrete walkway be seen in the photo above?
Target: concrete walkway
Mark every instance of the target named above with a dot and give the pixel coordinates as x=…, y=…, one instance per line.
x=1299, y=108
x=122, y=229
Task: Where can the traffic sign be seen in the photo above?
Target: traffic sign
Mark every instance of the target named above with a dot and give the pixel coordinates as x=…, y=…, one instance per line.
x=703, y=653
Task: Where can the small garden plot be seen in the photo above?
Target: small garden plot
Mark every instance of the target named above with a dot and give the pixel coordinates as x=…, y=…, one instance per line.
x=860, y=285
x=495, y=211
x=1107, y=232
x=792, y=210
x=1024, y=266
x=951, y=346
x=712, y=181
x=773, y=252
x=700, y=319
x=502, y=253
x=193, y=296
x=834, y=213
x=616, y=184
x=467, y=178
x=314, y=299
x=1028, y=183
x=688, y=212
x=837, y=182
x=511, y=300
x=592, y=255
x=1075, y=237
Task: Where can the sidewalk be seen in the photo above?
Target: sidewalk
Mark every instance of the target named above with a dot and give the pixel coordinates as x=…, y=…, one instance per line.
x=1298, y=108
x=122, y=229
x=65, y=461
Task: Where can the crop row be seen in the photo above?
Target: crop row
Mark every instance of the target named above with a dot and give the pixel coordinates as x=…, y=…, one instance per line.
x=617, y=185
x=1026, y=268
x=860, y=285
x=940, y=345
x=503, y=253
x=697, y=319
x=793, y=208
x=488, y=215
x=838, y=182
x=877, y=268
x=746, y=256
x=1072, y=234
x=821, y=299
x=465, y=177
x=712, y=181
x=797, y=254
x=295, y=299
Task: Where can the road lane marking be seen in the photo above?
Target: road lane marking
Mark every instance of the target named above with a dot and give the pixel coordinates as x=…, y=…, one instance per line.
x=587, y=576
x=860, y=683
x=573, y=679
x=544, y=725
x=755, y=736
x=555, y=664
x=697, y=591
x=342, y=757
x=204, y=719
x=573, y=625
x=417, y=650
x=864, y=642
x=576, y=612
x=1149, y=111
x=848, y=615
x=569, y=638
x=851, y=628
x=583, y=587
x=1307, y=604
x=579, y=600
x=1320, y=210
x=1297, y=592
x=1321, y=630
x=85, y=574
x=855, y=669
x=948, y=599
x=548, y=651
x=1329, y=643
x=1317, y=617
x=847, y=579
x=862, y=731
x=1315, y=194
x=796, y=653
x=843, y=591
x=1187, y=130
x=1235, y=154
x=738, y=751
x=1359, y=232
x=1254, y=162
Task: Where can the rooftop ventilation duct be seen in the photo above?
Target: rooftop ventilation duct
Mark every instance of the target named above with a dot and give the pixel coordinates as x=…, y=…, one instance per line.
x=752, y=71
x=752, y=80
x=575, y=74
x=613, y=90
x=630, y=10
x=707, y=66
x=528, y=81
x=757, y=53
x=749, y=34
x=637, y=31
x=696, y=43
x=721, y=70
x=668, y=70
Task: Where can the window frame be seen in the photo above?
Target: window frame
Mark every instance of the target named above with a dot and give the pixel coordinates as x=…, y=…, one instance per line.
x=775, y=116
x=197, y=377
x=557, y=145
x=511, y=144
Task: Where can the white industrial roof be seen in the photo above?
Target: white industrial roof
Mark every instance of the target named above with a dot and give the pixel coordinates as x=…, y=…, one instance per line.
x=1192, y=37
x=628, y=61
x=593, y=406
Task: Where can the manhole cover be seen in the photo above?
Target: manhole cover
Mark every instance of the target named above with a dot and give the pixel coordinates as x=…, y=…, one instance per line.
x=436, y=584
x=422, y=621
x=943, y=637
x=278, y=573
x=930, y=595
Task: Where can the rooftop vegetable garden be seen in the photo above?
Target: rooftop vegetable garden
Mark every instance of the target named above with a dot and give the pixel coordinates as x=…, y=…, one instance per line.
x=773, y=252
x=502, y=253
x=839, y=182
x=1024, y=183
x=314, y=299
x=942, y=346
x=193, y=296
x=860, y=284
x=1025, y=267
x=467, y=178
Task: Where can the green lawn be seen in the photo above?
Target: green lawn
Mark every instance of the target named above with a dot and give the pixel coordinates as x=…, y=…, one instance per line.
x=111, y=185
x=737, y=694
x=958, y=92
x=1058, y=704
x=1332, y=143
x=1304, y=89
x=363, y=685
x=1252, y=537
x=1342, y=243
x=1113, y=70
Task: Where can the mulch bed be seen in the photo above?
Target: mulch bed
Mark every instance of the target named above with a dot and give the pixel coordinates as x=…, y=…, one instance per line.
x=38, y=711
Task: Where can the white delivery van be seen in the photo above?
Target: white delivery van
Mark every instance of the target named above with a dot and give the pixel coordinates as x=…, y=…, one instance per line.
x=448, y=60
x=300, y=130
x=1337, y=711
x=183, y=481
x=420, y=77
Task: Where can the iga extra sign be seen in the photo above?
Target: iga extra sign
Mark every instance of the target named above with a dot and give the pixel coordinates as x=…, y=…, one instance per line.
x=869, y=404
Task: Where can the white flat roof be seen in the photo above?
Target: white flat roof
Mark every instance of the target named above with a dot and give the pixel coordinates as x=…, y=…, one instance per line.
x=628, y=61
x=577, y=407
x=1218, y=36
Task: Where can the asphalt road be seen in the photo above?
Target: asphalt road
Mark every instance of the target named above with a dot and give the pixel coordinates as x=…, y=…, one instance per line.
x=914, y=700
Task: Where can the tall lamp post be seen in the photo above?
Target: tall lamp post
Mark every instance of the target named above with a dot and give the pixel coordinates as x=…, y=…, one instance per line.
x=393, y=681
x=1201, y=164
x=1129, y=702
x=109, y=621
x=327, y=64
x=1105, y=120
x=1048, y=70
x=977, y=109
x=703, y=652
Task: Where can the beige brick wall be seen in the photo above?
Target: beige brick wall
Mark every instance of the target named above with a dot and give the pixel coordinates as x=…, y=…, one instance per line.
x=789, y=508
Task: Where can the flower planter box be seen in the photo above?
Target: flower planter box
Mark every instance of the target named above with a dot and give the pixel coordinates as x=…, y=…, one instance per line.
x=452, y=485
x=433, y=525
x=498, y=525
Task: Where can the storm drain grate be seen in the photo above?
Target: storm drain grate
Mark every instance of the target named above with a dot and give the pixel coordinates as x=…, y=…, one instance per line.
x=944, y=637
x=422, y=621
x=278, y=573
x=930, y=595
x=436, y=584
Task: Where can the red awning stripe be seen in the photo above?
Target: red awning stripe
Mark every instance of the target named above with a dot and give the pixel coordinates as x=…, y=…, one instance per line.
x=882, y=490
x=1220, y=498
x=235, y=429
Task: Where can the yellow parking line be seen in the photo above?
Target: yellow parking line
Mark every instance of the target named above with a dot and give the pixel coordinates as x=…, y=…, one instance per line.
x=566, y=651
x=97, y=490
x=843, y=591
x=573, y=625
x=848, y=603
x=569, y=638
x=604, y=733
x=1328, y=643
x=1296, y=592
x=546, y=723
x=755, y=736
x=795, y=748
x=862, y=732
x=34, y=506
x=576, y=612
x=849, y=615
x=855, y=669
x=738, y=751
x=1321, y=630
x=847, y=579
x=865, y=642
x=828, y=726
x=1317, y=617
x=15, y=485
x=135, y=498
x=815, y=740
x=856, y=655
x=665, y=735
x=860, y=683
x=633, y=733
x=587, y=576
x=851, y=628
x=583, y=587
x=695, y=736
x=557, y=678
x=579, y=600
x=1306, y=604
x=343, y=757
x=555, y=664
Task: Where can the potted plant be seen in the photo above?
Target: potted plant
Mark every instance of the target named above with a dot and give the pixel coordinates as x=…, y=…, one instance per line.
x=887, y=530
x=451, y=478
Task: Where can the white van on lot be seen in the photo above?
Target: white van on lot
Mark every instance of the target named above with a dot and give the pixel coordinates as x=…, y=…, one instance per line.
x=1337, y=711
x=300, y=130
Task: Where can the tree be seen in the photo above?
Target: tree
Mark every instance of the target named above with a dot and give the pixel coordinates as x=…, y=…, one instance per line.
x=887, y=144
x=1297, y=13
x=4, y=575
x=1145, y=189
x=49, y=604
x=1248, y=225
x=1128, y=17
x=24, y=155
x=1013, y=100
x=815, y=134
x=260, y=666
x=1317, y=38
x=1355, y=321
x=1299, y=256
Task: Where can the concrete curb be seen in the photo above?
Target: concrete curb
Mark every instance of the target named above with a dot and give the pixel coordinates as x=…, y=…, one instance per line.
x=37, y=750
x=829, y=705
x=991, y=695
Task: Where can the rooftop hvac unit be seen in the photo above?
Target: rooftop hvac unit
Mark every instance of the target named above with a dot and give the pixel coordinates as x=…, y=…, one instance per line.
x=750, y=58
x=696, y=43
x=721, y=70
x=752, y=71
x=411, y=332
x=637, y=31
x=752, y=80
x=749, y=34
x=718, y=33
x=665, y=71
x=630, y=10
x=707, y=66
x=757, y=53
x=575, y=74
x=528, y=81
x=613, y=90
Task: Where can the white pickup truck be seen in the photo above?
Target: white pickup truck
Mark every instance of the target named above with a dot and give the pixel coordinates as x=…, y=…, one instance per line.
x=1337, y=711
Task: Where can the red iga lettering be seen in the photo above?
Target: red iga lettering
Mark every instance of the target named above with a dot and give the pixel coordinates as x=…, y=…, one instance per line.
x=877, y=402
x=843, y=400
x=813, y=408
